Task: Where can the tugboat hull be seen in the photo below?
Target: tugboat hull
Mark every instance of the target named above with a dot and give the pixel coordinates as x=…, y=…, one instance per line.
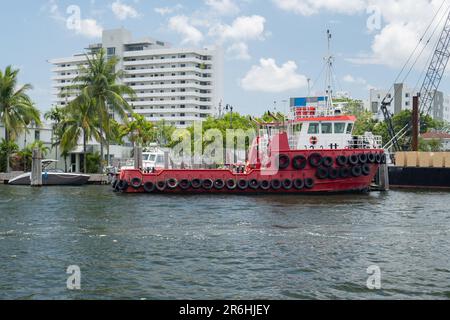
x=300, y=172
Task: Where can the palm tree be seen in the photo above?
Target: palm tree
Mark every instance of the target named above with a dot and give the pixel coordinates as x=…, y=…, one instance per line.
x=56, y=115
x=27, y=153
x=80, y=121
x=139, y=131
x=16, y=108
x=99, y=82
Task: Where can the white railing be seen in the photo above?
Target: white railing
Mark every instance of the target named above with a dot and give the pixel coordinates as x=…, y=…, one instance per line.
x=367, y=141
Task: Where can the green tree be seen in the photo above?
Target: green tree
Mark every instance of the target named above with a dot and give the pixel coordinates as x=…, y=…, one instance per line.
x=56, y=116
x=16, y=108
x=80, y=122
x=27, y=153
x=99, y=82
x=6, y=149
x=139, y=131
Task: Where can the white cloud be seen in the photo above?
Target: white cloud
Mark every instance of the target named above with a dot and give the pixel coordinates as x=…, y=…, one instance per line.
x=90, y=28
x=123, y=11
x=310, y=7
x=358, y=81
x=242, y=28
x=238, y=51
x=183, y=26
x=223, y=7
x=168, y=10
x=269, y=77
x=403, y=23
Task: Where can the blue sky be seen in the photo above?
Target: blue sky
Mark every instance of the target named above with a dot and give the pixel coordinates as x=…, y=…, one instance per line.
x=271, y=46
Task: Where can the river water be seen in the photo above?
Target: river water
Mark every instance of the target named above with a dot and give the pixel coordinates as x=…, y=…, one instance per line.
x=219, y=247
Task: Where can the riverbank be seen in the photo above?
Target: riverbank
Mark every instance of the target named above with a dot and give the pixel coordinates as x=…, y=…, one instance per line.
x=222, y=247
x=96, y=179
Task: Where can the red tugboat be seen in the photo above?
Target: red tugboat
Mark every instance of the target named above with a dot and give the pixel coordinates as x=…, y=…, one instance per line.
x=314, y=152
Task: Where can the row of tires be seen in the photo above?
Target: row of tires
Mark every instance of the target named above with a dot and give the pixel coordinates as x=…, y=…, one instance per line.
x=316, y=160
x=343, y=172
x=219, y=184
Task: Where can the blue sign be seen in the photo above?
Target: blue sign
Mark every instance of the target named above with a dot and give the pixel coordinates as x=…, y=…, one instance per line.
x=309, y=102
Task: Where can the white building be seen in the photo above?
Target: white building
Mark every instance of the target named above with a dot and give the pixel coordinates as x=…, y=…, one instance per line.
x=179, y=86
x=402, y=99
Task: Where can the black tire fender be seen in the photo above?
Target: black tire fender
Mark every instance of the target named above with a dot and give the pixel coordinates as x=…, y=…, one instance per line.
x=276, y=184
x=149, y=187
x=342, y=160
x=309, y=183
x=299, y=162
x=299, y=184
x=322, y=173
x=315, y=160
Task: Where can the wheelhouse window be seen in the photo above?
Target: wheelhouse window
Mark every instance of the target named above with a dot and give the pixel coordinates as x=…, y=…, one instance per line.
x=313, y=128
x=339, y=128
x=327, y=128
x=298, y=128
x=350, y=128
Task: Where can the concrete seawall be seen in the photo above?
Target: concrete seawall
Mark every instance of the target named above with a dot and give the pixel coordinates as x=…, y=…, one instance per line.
x=96, y=179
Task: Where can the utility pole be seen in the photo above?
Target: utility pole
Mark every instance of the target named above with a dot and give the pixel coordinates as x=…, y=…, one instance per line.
x=415, y=123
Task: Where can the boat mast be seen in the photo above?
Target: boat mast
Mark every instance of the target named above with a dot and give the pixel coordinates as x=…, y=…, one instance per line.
x=329, y=59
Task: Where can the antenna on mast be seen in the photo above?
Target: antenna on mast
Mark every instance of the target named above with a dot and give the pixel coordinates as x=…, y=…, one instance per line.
x=329, y=73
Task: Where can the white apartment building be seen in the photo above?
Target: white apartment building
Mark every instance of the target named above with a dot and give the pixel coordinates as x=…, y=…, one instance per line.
x=402, y=99
x=177, y=85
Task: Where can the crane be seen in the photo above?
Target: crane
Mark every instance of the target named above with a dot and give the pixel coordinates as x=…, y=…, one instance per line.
x=433, y=77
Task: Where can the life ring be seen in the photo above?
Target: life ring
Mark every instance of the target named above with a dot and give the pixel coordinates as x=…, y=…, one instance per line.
x=276, y=184
x=342, y=160
x=315, y=160
x=265, y=185
x=136, y=183
x=122, y=185
x=149, y=187
x=161, y=185
x=172, y=183
x=231, y=184
x=184, y=184
x=299, y=184
x=309, y=183
x=242, y=184
x=196, y=183
x=333, y=173
x=283, y=161
x=363, y=158
x=219, y=184
x=366, y=169
x=288, y=184
x=357, y=171
x=313, y=140
x=322, y=173
x=327, y=162
x=299, y=162
x=344, y=172
x=353, y=159
x=207, y=184
x=254, y=184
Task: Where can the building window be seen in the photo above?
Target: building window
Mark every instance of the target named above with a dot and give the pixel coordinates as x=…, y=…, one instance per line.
x=111, y=51
x=37, y=135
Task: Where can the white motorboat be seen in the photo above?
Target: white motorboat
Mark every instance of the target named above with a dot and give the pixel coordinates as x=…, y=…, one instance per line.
x=51, y=177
